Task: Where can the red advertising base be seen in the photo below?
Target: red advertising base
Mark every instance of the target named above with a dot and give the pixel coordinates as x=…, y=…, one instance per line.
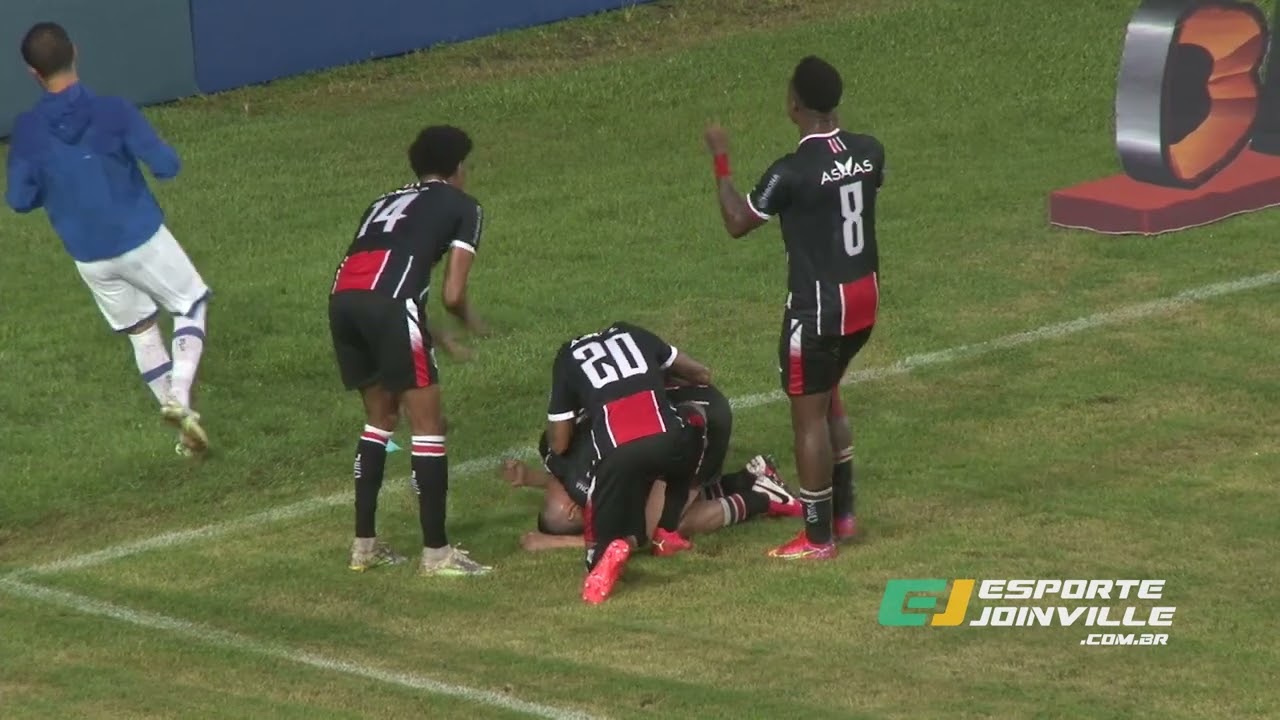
x=1122, y=205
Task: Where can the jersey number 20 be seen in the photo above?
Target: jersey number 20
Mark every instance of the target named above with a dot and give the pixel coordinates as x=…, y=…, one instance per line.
x=616, y=358
x=851, y=209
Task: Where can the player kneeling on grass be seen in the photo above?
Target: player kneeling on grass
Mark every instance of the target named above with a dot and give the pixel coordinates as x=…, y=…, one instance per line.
x=79, y=156
x=377, y=317
x=616, y=378
x=716, y=500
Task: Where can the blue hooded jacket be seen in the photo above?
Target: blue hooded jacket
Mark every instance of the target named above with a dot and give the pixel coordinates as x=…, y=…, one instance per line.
x=77, y=155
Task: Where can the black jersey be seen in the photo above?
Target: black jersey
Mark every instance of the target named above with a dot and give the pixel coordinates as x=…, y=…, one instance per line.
x=825, y=193
x=616, y=376
x=403, y=235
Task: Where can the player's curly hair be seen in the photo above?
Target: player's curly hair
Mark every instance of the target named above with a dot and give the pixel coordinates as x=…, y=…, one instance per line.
x=817, y=84
x=47, y=49
x=439, y=150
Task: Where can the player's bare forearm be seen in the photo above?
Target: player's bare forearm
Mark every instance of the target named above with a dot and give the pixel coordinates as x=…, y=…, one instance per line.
x=737, y=216
x=689, y=369
x=537, y=541
x=559, y=435
x=518, y=474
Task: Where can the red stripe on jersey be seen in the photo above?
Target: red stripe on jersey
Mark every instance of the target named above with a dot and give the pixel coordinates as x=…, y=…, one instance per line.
x=795, y=361
x=859, y=301
x=633, y=417
x=361, y=271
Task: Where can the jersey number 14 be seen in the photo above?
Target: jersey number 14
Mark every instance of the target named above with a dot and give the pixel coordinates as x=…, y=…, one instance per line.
x=616, y=358
x=389, y=215
x=851, y=209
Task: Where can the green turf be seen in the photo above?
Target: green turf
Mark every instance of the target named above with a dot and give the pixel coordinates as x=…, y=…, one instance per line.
x=1141, y=450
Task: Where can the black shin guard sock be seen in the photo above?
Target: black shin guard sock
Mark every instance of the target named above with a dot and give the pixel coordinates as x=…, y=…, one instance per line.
x=842, y=491
x=817, y=515
x=431, y=481
x=371, y=461
x=740, y=507
x=757, y=504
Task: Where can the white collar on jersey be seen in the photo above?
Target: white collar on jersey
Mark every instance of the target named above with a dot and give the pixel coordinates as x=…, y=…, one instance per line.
x=833, y=133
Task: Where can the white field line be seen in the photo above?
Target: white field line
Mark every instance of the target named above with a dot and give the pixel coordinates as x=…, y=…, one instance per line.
x=222, y=638
x=1127, y=313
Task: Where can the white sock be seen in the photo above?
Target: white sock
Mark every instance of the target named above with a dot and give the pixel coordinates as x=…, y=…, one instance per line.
x=153, y=361
x=188, y=344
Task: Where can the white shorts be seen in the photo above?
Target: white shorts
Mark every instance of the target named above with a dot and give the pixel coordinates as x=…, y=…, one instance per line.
x=128, y=288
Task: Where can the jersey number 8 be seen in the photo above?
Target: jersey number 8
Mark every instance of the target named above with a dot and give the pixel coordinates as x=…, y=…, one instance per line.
x=624, y=360
x=851, y=209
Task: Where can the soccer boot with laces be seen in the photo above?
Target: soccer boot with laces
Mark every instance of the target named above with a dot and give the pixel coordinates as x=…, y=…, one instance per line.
x=600, y=581
x=799, y=548
x=450, y=561
x=368, y=553
x=769, y=482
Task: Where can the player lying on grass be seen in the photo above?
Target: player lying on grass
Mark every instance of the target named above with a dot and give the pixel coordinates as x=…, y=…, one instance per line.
x=616, y=378
x=80, y=157
x=715, y=501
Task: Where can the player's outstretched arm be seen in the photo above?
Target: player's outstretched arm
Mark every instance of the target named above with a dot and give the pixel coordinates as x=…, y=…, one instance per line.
x=687, y=368
x=534, y=541
x=734, y=210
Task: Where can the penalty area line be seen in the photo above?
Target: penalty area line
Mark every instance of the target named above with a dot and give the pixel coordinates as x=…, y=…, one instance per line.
x=1121, y=315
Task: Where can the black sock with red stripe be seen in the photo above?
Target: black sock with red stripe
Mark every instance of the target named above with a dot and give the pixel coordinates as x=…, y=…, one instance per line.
x=431, y=482
x=817, y=514
x=844, y=494
x=371, y=461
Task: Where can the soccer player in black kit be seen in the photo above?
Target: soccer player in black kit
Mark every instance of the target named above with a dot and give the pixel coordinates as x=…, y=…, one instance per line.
x=825, y=193
x=377, y=316
x=617, y=378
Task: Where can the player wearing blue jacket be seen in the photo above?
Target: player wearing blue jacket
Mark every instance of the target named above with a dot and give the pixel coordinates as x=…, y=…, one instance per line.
x=79, y=157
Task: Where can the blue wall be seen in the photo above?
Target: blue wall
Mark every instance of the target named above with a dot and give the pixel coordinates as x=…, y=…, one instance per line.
x=157, y=50
x=137, y=48
x=241, y=42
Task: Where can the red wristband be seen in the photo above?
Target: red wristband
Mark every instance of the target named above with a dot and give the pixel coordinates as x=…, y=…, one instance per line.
x=722, y=165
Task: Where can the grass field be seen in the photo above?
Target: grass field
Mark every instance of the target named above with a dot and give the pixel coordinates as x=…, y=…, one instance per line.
x=1141, y=444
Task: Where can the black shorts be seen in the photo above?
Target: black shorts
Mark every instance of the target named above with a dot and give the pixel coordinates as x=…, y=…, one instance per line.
x=623, y=480
x=809, y=363
x=379, y=340
x=719, y=427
